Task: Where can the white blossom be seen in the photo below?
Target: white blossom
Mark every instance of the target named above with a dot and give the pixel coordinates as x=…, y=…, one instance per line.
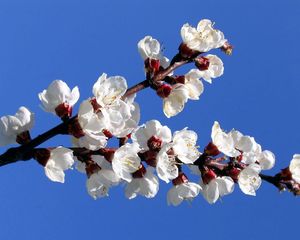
x=146, y=186
x=60, y=160
x=217, y=188
x=152, y=128
x=166, y=166
x=174, y=103
x=204, y=38
x=126, y=161
x=193, y=84
x=57, y=93
x=235, y=143
x=12, y=126
x=92, y=127
x=185, y=191
x=150, y=48
x=184, y=146
x=249, y=180
x=215, y=69
x=295, y=167
x=107, y=90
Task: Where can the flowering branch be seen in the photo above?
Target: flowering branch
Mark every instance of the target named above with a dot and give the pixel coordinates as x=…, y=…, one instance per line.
x=150, y=151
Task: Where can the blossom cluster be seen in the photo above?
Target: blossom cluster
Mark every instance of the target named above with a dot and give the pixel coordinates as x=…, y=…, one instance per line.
x=150, y=152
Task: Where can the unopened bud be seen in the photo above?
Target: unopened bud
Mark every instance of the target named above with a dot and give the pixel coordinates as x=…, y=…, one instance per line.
x=208, y=175
x=211, y=150
x=63, y=110
x=182, y=178
x=164, y=90
x=202, y=63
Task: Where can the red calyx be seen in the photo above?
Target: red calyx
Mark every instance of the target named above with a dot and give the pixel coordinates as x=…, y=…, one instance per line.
x=75, y=129
x=211, y=150
x=64, y=110
x=42, y=156
x=154, y=143
x=95, y=105
x=149, y=157
x=164, y=90
x=91, y=167
x=286, y=174
x=202, y=63
x=186, y=52
x=233, y=173
x=152, y=65
x=107, y=133
x=180, y=79
x=139, y=173
x=182, y=178
x=208, y=176
x=23, y=138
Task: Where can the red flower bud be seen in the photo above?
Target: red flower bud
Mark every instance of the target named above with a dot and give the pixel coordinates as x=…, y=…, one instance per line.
x=164, y=90
x=64, y=110
x=202, y=63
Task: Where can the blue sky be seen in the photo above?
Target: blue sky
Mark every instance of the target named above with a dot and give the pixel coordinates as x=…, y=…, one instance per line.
x=78, y=40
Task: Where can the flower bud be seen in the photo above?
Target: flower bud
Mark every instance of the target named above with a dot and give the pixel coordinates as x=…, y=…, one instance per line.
x=211, y=150
x=182, y=178
x=164, y=90
x=64, y=110
x=208, y=175
x=202, y=63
